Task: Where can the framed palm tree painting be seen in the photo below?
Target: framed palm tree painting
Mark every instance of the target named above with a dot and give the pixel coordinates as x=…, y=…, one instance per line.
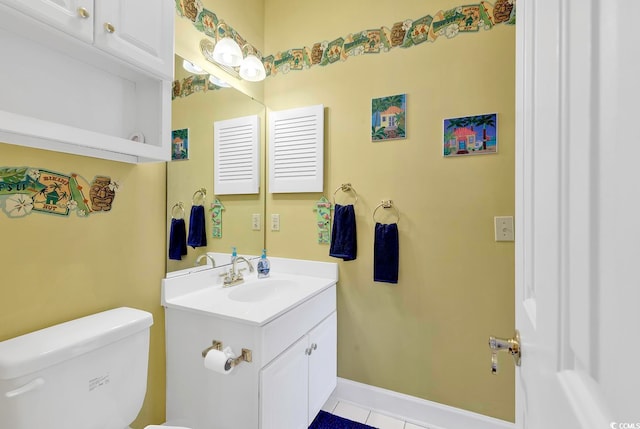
x=388, y=117
x=470, y=135
x=180, y=144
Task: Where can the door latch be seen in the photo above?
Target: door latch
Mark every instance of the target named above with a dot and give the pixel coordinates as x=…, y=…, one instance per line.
x=512, y=345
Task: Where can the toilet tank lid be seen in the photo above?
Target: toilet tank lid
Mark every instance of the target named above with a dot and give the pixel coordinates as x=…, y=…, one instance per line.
x=40, y=349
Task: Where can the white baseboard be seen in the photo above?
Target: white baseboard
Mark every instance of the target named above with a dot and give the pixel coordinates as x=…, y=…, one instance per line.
x=414, y=410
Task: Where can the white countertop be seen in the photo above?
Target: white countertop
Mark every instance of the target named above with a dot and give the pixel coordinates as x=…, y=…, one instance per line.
x=256, y=301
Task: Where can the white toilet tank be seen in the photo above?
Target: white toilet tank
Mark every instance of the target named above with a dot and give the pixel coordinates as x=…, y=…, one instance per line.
x=88, y=373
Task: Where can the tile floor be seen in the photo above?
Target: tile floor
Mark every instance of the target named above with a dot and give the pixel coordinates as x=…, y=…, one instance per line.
x=363, y=415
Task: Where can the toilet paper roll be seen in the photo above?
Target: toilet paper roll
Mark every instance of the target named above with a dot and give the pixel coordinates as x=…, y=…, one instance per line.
x=219, y=361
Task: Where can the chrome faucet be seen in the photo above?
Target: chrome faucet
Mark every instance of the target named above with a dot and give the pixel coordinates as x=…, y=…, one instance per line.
x=234, y=275
x=207, y=256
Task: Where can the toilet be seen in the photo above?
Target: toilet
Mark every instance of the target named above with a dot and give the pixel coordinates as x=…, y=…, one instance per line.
x=88, y=373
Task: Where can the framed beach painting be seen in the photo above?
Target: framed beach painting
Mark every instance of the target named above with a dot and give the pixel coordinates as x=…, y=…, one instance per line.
x=388, y=118
x=470, y=135
x=180, y=144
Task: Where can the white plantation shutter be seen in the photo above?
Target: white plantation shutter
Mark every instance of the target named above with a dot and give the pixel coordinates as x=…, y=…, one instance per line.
x=236, y=156
x=296, y=149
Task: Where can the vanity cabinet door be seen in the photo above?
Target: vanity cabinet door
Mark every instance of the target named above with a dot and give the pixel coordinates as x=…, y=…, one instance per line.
x=322, y=364
x=137, y=31
x=283, y=389
x=74, y=17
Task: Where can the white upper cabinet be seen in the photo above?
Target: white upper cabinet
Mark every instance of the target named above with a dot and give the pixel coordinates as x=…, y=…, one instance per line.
x=88, y=77
x=136, y=31
x=74, y=17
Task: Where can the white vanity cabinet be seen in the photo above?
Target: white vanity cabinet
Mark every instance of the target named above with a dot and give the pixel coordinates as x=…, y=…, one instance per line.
x=88, y=77
x=292, y=338
x=295, y=385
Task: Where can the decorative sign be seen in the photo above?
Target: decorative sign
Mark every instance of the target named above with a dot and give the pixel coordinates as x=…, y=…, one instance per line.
x=24, y=190
x=470, y=135
x=216, y=217
x=388, y=118
x=180, y=144
x=323, y=220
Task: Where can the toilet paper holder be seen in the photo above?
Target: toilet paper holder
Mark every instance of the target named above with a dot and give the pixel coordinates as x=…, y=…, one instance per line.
x=246, y=355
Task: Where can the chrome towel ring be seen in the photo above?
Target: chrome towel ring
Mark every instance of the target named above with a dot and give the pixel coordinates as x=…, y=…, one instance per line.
x=180, y=214
x=345, y=187
x=386, y=204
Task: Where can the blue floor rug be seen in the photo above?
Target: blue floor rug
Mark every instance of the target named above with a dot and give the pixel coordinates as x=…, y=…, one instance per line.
x=325, y=420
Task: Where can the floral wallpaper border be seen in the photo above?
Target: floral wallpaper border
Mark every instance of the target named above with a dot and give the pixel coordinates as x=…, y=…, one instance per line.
x=469, y=18
x=27, y=190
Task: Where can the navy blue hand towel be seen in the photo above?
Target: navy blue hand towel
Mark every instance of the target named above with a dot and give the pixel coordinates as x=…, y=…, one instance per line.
x=177, y=239
x=386, y=253
x=343, y=234
x=197, y=230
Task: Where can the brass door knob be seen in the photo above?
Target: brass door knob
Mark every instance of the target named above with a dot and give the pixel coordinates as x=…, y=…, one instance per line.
x=512, y=345
x=109, y=28
x=83, y=13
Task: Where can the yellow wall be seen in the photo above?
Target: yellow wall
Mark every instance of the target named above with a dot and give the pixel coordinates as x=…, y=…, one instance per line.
x=56, y=269
x=427, y=335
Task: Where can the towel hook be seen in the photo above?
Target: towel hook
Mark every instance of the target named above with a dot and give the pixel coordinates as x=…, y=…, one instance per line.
x=345, y=187
x=180, y=206
x=386, y=204
x=200, y=194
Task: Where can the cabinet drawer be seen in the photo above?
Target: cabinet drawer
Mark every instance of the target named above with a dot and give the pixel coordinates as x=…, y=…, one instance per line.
x=286, y=329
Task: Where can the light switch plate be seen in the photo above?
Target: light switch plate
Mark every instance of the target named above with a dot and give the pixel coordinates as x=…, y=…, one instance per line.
x=504, y=228
x=275, y=222
x=255, y=221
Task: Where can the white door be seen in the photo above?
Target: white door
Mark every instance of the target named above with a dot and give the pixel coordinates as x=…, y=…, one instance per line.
x=578, y=214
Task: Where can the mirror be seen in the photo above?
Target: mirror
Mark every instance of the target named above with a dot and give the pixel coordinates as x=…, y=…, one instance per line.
x=196, y=109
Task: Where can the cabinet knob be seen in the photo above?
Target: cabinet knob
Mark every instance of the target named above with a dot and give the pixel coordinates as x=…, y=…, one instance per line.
x=314, y=346
x=83, y=13
x=109, y=28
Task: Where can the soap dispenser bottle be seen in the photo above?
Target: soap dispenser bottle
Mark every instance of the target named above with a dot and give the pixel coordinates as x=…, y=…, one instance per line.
x=264, y=265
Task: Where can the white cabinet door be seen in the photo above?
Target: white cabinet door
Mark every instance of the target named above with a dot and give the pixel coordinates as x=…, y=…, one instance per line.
x=138, y=31
x=322, y=364
x=74, y=17
x=283, y=389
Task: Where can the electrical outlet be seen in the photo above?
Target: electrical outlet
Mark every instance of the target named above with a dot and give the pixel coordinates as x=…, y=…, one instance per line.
x=275, y=222
x=504, y=228
x=255, y=221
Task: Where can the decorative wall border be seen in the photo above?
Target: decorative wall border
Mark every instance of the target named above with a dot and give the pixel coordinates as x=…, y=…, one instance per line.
x=469, y=19
x=26, y=190
x=192, y=84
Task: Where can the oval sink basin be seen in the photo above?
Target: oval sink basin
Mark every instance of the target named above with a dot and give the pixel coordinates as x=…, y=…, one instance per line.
x=260, y=290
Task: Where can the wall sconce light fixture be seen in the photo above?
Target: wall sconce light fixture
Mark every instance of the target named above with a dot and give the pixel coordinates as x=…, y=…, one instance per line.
x=228, y=55
x=193, y=68
x=218, y=82
x=251, y=68
x=227, y=52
